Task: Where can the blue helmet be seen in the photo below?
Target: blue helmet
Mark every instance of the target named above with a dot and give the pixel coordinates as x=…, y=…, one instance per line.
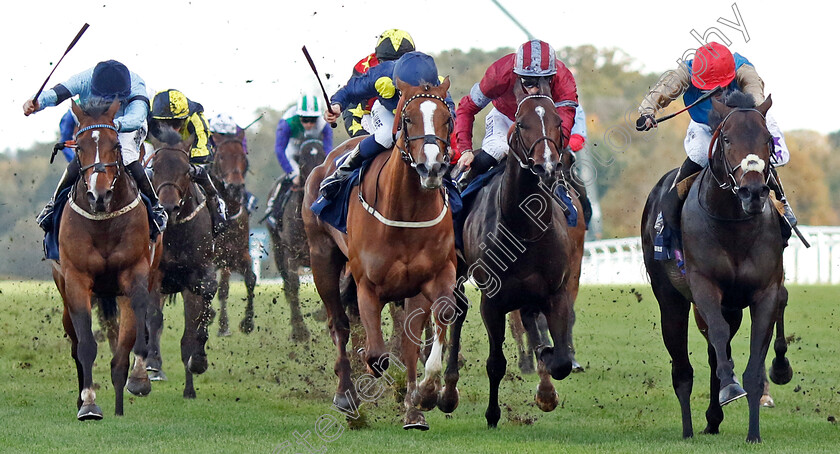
x=416, y=68
x=110, y=80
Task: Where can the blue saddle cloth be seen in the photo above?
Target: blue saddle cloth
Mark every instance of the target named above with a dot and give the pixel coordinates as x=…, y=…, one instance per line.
x=51, y=237
x=334, y=212
x=470, y=192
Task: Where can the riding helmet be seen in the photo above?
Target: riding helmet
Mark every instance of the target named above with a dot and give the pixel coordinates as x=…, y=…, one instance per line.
x=170, y=105
x=393, y=44
x=713, y=66
x=535, y=58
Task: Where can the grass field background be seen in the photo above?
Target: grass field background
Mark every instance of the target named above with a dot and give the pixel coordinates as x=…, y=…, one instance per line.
x=261, y=388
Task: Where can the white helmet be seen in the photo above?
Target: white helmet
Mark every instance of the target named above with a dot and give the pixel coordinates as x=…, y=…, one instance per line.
x=308, y=106
x=223, y=124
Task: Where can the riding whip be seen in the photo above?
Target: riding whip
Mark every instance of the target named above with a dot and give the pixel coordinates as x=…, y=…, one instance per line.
x=698, y=101
x=72, y=43
x=252, y=123
x=324, y=91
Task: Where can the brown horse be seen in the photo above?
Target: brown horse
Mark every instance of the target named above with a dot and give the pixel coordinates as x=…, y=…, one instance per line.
x=104, y=251
x=401, y=245
x=520, y=251
x=288, y=238
x=187, y=262
x=733, y=260
x=232, y=245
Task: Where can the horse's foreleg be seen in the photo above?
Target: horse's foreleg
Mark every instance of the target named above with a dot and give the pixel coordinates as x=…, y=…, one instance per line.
x=291, y=288
x=247, y=323
x=154, y=329
x=125, y=342
x=674, y=317
x=764, y=312
x=526, y=355
x=224, y=289
x=449, y=396
x=370, y=312
x=714, y=413
x=417, y=314
x=134, y=283
x=494, y=323
x=77, y=295
x=780, y=372
x=557, y=360
x=193, y=340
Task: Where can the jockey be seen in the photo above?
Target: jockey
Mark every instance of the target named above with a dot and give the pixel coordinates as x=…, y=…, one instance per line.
x=413, y=68
x=172, y=108
x=718, y=68
x=299, y=123
x=107, y=81
x=223, y=127
x=534, y=62
x=577, y=141
x=67, y=129
x=392, y=44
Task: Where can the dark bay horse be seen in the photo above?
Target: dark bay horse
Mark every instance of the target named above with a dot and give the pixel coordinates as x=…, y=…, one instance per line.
x=232, y=245
x=520, y=251
x=288, y=238
x=400, y=246
x=733, y=260
x=187, y=263
x=104, y=253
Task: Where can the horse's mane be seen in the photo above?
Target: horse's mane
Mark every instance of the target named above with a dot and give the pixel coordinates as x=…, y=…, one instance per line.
x=96, y=106
x=733, y=98
x=165, y=134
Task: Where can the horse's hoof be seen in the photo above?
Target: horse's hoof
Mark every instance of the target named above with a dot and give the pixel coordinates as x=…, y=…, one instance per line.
x=780, y=372
x=414, y=419
x=427, y=399
x=139, y=386
x=89, y=412
x=246, y=325
x=157, y=375
x=224, y=333
x=448, y=416
x=344, y=404
x=547, y=404
x=753, y=440
x=576, y=367
x=731, y=393
x=189, y=394
x=526, y=365
x=767, y=401
x=197, y=364
x=448, y=401
x=300, y=334
x=153, y=364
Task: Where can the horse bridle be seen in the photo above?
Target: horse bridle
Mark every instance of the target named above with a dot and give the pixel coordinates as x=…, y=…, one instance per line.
x=99, y=167
x=729, y=182
x=247, y=163
x=429, y=139
x=526, y=161
x=181, y=193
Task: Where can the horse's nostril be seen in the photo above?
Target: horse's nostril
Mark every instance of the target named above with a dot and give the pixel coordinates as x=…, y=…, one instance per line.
x=91, y=197
x=109, y=195
x=743, y=193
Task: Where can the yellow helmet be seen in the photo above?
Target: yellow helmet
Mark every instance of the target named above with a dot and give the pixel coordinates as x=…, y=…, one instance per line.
x=393, y=43
x=170, y=105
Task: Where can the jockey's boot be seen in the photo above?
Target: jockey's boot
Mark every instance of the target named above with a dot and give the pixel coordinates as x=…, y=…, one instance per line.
x=45, y=218
x=159, y=216
x=671, y=202
x=580, y=188
x=215, y=203
x=350, y=162
x=776, y=185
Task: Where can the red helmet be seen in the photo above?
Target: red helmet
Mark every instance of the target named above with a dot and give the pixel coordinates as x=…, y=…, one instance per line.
x=535, y=58
x=713, y=66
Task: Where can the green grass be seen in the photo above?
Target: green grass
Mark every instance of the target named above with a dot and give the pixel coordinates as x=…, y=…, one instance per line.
x=261, y=388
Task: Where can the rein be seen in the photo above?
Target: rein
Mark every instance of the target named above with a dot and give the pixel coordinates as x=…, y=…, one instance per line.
x=99, y=167
x=526, y=161
x=428, y=139
x=716, y=144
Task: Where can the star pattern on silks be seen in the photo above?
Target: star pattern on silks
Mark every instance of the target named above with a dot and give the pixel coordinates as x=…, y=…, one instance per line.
x=355, y=127
x=358, y=111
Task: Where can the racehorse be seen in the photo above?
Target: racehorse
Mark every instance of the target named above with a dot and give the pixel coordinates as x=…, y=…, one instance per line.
x=400, y=244
x=515, y=219
x=733, y=260
x=187, y=263
x=104, y=252
x=232, y=245
x=288, y=238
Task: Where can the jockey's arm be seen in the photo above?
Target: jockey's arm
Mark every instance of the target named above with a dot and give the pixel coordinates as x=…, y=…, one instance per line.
x=670, y=86
x=281, y=143
x=564, y=94
x=750, y=83
x=197, y=126
x=327, y=138
x=57, y=94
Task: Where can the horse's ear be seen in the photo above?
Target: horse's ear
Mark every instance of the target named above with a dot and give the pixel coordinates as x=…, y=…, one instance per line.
x=112, y=110
x=719, y=107
x=77, y=110
x=240, y=134
x=188, y=143
x=445, y=84
x=401, y=86
x=765, y=106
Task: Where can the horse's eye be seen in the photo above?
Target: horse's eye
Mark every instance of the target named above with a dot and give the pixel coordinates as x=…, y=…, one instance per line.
x=725, y=139
x=407, y=120
x=520, y=125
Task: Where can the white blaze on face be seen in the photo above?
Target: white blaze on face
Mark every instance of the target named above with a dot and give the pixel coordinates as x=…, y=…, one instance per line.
x=431, y=151
x=547, y=153
x=752, y=163
x=93, y=175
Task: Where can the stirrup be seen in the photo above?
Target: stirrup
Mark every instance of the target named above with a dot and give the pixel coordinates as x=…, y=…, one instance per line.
x=45, y=217
x=250, y=202
x=330, y=186
x=789, y=216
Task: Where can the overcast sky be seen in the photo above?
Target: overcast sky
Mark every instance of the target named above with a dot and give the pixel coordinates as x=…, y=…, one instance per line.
x=235, y=56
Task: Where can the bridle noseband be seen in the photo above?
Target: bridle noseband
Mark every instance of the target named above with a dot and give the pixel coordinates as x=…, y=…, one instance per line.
x=182, y=194
x=729, y=182
x=428, y=139
x=526, y=161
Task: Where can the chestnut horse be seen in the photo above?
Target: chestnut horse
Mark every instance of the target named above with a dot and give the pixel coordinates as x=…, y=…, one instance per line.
x=399, y=244
x=187, y=262
x=520, y=251
x=288, y=239
x=733, y=260
x=232, y=245
x=104, y=252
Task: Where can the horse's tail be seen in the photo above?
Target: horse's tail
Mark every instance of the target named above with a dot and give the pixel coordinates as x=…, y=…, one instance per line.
x=108, y=306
